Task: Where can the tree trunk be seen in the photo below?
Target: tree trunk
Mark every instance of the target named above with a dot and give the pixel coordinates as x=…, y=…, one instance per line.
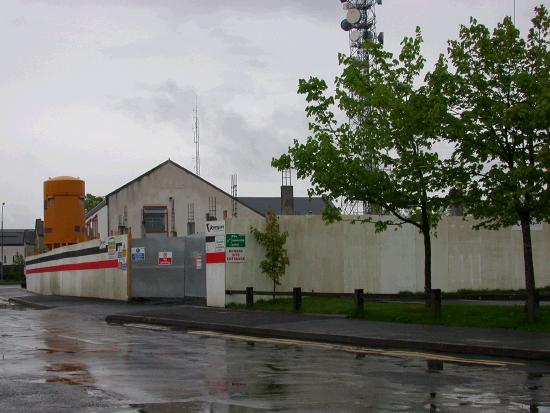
x=427, y=264
x=274, y=285
x=532, y=302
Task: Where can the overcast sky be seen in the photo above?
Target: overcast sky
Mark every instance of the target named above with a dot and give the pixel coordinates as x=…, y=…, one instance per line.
x=105, y=89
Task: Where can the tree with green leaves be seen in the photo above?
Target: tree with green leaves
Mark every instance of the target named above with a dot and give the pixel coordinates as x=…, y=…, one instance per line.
x=91, y=201
x=386, y=156
x=497, y=87
x=544, y=158
x=273, y=240
x=18, y=259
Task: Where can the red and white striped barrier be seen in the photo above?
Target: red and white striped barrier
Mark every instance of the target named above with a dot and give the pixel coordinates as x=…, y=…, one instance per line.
x=88, y=269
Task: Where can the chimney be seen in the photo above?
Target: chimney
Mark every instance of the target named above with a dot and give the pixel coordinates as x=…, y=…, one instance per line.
x=287, y=193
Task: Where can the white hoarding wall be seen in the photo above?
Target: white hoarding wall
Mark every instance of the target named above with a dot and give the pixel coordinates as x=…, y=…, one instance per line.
x=341, y=257
x=96, y=268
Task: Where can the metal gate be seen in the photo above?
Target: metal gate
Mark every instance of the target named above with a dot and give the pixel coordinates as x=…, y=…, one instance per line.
x=169, y=268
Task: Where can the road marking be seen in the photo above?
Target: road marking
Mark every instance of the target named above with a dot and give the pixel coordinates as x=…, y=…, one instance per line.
x=147, y=326
x=81, y=339
x=361, y=350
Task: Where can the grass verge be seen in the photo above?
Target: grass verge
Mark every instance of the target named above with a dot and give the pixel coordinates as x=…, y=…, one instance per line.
x=465, y=315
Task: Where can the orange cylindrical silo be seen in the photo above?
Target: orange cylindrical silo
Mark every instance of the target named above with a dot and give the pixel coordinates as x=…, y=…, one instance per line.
x=63, y=211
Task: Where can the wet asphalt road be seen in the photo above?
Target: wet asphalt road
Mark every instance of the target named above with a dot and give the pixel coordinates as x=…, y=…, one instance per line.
x=68, y=359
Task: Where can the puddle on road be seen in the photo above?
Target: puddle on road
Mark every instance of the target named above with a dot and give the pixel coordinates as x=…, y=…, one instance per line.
x=8, y=305
x=196, y=407
x=66, y=368
x=72, y=374
x=64, y=380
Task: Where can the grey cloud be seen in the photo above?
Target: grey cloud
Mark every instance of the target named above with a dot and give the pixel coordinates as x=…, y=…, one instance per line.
x=164, y=103
x=182, y=9
x=142, y=48
x=248, y=149
x=20, y=21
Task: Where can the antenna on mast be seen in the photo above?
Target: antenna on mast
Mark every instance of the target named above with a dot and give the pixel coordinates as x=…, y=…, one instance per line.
x=234, y=195
x=196, y=137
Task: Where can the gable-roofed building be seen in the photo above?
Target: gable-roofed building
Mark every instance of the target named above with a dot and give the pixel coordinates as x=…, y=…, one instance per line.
x=168, y=200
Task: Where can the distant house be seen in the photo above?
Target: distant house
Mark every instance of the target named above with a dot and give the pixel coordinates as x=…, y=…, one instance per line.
x=17, y=241
x=97, y=221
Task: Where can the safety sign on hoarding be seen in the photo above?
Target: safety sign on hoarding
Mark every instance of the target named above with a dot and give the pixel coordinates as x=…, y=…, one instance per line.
x=138, y=254
x=111, y=247
x=198, y=260
x=235, y=240
x=235, y=248
x=235, y=255
x=165, y=258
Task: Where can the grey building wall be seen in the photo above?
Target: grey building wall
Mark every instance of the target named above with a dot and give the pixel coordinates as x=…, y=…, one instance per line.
x=171, y=186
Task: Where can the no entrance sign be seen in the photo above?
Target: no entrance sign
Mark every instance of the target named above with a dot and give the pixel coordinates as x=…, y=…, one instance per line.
x=165, y=258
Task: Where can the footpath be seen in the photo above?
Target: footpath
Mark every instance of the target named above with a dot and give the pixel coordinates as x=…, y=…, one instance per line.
x=323, y=328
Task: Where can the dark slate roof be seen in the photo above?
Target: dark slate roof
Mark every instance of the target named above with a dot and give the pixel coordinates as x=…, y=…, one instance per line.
x=16, y=237
x=302, y=205
x=169, y=161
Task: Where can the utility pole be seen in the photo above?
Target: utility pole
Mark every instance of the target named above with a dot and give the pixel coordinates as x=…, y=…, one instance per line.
x=2, y=248
x=196, y=138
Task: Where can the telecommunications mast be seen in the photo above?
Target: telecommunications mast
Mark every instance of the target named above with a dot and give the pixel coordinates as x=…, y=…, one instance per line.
x=360, y=23
x=196, y=157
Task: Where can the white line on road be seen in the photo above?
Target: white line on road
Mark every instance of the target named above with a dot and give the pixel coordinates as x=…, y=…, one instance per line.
x=360, y=350
x=147, y=326
x=81, y=339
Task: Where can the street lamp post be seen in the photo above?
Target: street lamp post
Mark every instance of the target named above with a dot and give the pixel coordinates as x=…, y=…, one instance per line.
x=2, y=248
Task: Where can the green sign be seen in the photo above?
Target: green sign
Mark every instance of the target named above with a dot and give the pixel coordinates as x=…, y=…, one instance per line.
x=235, y=241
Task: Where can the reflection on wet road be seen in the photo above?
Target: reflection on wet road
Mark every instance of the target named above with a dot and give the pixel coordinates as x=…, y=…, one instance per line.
x=67, y=359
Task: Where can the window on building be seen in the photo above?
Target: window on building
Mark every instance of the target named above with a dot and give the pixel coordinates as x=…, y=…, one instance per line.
x=155, y=219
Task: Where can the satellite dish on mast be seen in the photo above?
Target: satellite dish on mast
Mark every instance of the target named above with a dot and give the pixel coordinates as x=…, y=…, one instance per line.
x=346, y=25
x=368, y=35
x=355, y=35
x=353, y=16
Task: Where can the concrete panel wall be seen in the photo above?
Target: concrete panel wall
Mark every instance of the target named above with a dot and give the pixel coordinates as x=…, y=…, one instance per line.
x=342, y=256
x=83, y=270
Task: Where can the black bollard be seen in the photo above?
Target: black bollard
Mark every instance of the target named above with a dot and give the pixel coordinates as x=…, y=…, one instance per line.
x=249, y=296
x=435, y=299
x=297, y=299
x=434, y=365
x=359, y=301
